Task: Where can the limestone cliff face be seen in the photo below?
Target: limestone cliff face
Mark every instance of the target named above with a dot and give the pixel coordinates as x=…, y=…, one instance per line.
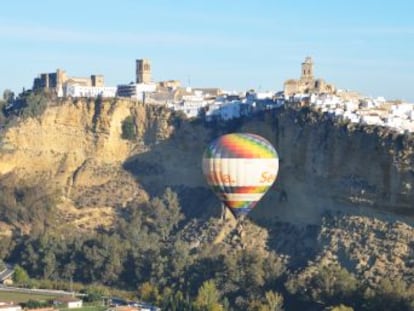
x=67, y=135
x=324, y=166
x=336, y=166
x=77, y=145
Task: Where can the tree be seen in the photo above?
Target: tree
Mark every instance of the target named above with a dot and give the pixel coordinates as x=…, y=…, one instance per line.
x=391, y=294
x=175, y=302
x=208, y=297
x=20, y=276
x=34, y=105
x=34, y=304
x=49, y=264
x=148, y=292
x=331, y=285
x=2, y=111
x=274, y=301
x=95, y=293
x=8, y=96
x=244, y=273
x=128, y=128
x=164, y=213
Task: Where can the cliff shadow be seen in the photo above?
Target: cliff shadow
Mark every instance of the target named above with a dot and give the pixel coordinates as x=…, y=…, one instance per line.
x=175, y=162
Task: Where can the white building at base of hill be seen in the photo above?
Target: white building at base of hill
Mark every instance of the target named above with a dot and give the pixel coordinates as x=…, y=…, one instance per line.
x=4, y=306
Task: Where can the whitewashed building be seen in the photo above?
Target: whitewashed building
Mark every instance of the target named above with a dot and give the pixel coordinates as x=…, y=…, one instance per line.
x=191, y=108
x=68, y=302
x=402, y=110
x=351, y=106
x=352, y=116
x=191, y=103
x=9, y=306
x=224, y=110
x=371, y=119
x=135, y=90
x=230, y=110
x=75, y=90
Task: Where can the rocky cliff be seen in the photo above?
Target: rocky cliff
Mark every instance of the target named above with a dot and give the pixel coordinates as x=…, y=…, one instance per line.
x=324, y=165
x=339, y=165
x=76, y=146
x=344, y=192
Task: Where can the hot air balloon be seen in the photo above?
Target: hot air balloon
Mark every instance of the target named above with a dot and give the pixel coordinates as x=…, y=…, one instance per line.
x=240, y=168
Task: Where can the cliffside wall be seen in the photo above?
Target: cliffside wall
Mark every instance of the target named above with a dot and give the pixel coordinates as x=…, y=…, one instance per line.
x=336, y=165
x=325, y=166
x=76, y=146
x=59, y=141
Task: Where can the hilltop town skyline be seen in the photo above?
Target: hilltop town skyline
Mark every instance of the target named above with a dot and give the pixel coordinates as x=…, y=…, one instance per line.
x=250, y=46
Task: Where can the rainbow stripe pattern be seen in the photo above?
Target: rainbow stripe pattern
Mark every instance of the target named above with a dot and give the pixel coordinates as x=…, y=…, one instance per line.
x=240, y=168
x=240, y=145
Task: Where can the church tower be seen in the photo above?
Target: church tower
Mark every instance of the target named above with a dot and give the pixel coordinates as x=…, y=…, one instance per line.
x=143, y=71
x=307, y=70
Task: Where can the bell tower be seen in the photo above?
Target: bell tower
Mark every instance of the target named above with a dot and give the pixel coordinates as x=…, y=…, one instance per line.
x=143, y=71
x=307, y=70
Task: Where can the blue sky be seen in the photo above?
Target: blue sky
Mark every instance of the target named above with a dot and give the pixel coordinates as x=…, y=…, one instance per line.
x=366, y=46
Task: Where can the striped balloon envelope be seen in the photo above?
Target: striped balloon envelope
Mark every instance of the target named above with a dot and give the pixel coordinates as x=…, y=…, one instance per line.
x=240, y=168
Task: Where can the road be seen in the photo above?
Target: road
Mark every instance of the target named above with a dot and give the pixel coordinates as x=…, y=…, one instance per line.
x=6, y=273
x=39, y=291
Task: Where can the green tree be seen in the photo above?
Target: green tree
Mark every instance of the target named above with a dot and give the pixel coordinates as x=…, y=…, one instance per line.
x=390, y=294
x=2, y=112
x=20, y=276
x=49, y=264
x=34, y=104
x=164, y=214
x=34, y=304
x=8, y=96
x=331, y=285
x=128, y=128
x=243, y=274
x=274, y=301
x=95, y=293
x=175, y=302
x=208, y=297
x=148, y=292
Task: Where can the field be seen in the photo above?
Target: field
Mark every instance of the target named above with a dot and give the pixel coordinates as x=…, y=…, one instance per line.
x=23, y=297
x=86, y=308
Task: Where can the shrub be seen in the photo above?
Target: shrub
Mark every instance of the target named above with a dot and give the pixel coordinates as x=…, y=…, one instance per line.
x=128, y=128
x=34, y=105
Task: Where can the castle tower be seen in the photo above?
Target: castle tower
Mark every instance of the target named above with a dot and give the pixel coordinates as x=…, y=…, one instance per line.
x=97, y=80
x=307, y=70
x=143, y=71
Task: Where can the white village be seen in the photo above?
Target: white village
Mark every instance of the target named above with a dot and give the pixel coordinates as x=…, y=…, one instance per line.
x=217, y=104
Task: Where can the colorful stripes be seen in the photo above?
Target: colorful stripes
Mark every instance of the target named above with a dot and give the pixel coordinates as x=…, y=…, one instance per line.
x=246, y=189
x=241, y=146
x=240, y=208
